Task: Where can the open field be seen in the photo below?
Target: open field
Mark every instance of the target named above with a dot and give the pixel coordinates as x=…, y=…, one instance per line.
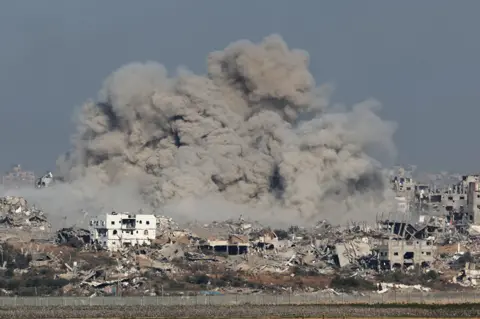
x=248, y=311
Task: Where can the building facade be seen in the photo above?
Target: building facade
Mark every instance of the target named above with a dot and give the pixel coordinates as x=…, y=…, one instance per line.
x=473, y=202
x=117, y=230
x=430, y=199
x=400, y=253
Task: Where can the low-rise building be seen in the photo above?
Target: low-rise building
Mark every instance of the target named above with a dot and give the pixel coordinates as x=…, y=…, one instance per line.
x=399, y=253
x=233, y=245
x=116, y=230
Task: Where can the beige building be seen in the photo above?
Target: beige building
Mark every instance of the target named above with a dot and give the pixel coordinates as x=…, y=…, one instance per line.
x=233, y=245
x=399, y=253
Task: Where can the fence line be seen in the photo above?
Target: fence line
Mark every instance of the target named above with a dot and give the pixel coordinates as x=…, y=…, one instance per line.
x=256, y=299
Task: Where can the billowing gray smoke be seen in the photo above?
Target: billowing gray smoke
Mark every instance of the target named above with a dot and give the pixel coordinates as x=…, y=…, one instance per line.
x=255, y=136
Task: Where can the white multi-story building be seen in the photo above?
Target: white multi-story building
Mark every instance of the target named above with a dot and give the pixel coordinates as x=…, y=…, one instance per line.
x=116, y=230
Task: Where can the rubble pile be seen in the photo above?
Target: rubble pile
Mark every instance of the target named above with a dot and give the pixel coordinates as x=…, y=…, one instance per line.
x=240, y=256
x=125, y=272
x=15, y=213
x=222, y=229
x=322, y=250
x=73, y=236
x=399, y=252
x=166, y=224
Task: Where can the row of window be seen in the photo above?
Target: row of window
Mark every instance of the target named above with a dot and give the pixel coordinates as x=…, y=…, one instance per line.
x=102, y=223
x=408, y=243
x=138, y=221
x=145, y=232
x=384, y=253
x=113, y=243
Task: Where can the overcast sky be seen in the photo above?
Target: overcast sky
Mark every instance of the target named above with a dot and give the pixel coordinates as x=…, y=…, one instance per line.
x=419, y=58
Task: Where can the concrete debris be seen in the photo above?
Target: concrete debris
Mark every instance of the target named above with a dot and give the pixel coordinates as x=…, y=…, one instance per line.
x=349, y=252
x=73, y=236
x=468, y=276
x=15, y=213
x=414, y=248
x=45, y=180
x=386, y=286
x=166, y=224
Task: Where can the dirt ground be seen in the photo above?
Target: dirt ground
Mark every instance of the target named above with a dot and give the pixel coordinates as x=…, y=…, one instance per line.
x=286, y=280
x=246, y=311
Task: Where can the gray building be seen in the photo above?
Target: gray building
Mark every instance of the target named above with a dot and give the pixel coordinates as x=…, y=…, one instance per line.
x=473, y=202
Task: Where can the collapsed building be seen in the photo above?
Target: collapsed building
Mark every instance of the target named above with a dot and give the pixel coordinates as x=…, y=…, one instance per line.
x=411, y=236
x=444, y=200
x=458, y=204
x=45, y=180
x=73, y=236
x=15, y=213
x=142, y=244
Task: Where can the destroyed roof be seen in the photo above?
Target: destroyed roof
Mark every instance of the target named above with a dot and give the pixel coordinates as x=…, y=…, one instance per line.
x=267, y=232
x=238, y=239
x=72, y=236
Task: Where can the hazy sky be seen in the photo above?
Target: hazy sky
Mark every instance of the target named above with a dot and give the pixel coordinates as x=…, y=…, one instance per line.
x=419, y=58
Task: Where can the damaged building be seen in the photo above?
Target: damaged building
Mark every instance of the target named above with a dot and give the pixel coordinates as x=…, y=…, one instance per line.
x=73, y=236
x=401, y=253
x=233, y=245
x=116, y=230
x=347, y=253
x=123, y=253
x=15, y=213
x=45, y=180
x=407, y=244
x=267, y=239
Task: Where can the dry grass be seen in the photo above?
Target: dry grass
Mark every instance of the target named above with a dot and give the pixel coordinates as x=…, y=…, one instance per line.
x=245, y=311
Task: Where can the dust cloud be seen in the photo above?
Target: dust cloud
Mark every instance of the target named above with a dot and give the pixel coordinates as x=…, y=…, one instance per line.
x=255, y=136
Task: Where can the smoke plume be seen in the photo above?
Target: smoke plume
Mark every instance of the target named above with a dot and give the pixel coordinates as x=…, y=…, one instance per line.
x=254, y=136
